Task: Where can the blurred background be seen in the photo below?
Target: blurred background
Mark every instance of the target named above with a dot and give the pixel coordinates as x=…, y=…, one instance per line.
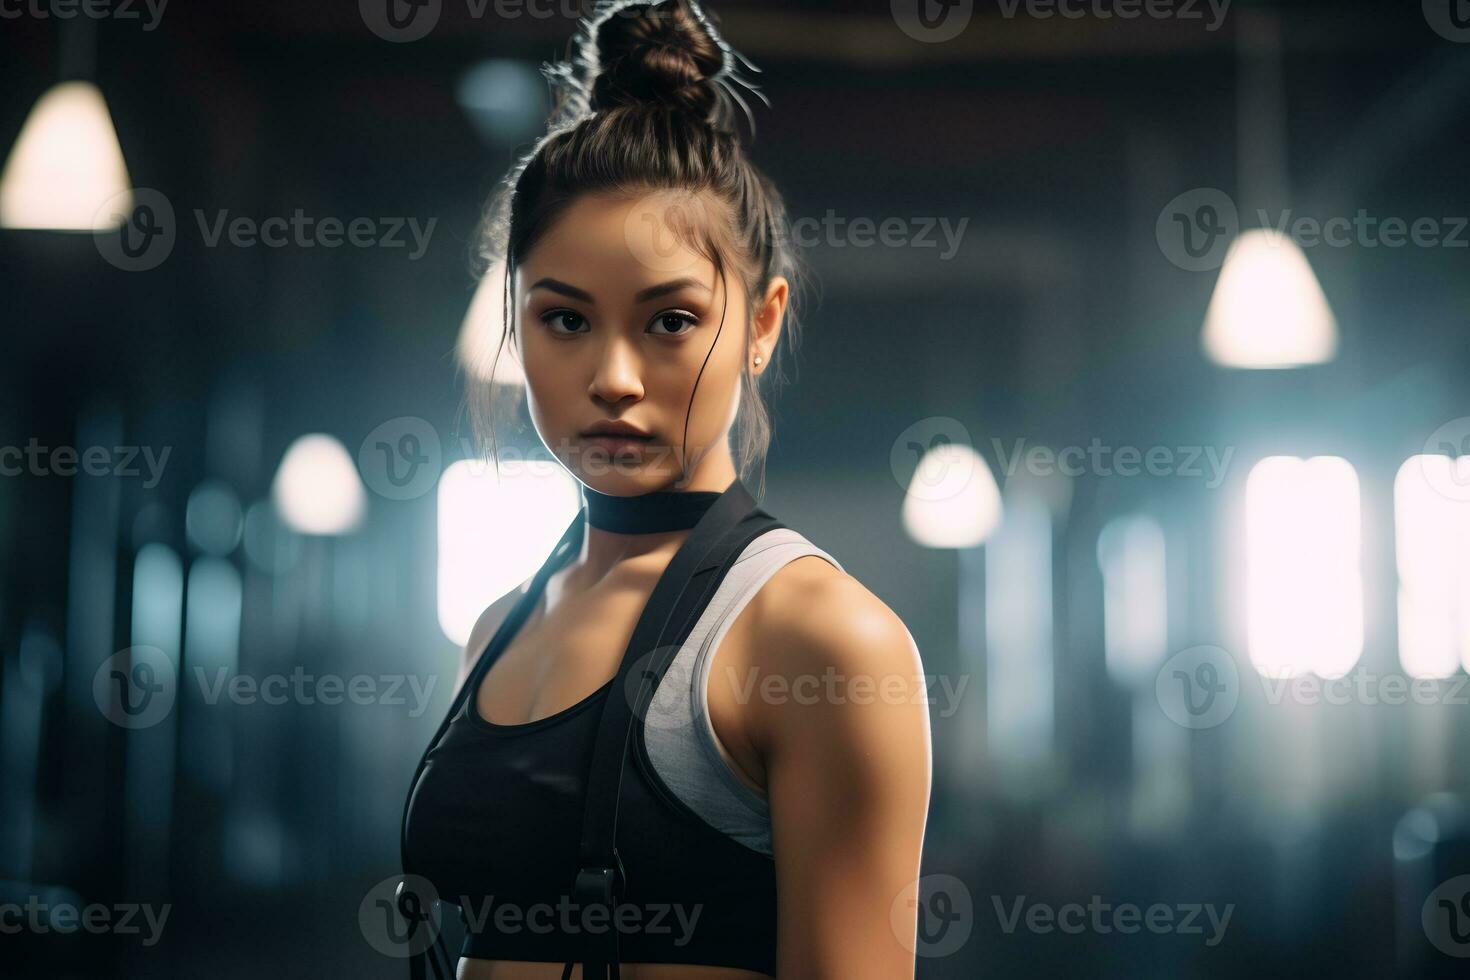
x=1137, y=382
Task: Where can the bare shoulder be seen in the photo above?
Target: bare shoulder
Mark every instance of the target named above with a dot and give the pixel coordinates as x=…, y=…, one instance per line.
x=811, y=614
x=817, y=625
x=485, y=627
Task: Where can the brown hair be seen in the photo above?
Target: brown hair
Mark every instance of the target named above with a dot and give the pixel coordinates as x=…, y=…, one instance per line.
x=646, y=103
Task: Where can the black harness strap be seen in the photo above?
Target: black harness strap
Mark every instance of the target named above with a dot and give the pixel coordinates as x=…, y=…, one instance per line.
x=680, y=596
x=435, y=959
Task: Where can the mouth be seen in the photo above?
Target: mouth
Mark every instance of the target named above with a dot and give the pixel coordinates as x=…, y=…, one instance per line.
x=616, y=442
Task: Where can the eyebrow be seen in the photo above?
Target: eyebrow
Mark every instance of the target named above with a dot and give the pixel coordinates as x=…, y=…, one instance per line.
x=643, y=295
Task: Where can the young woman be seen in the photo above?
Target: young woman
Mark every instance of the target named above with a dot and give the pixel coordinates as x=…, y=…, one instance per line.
x=692, y=745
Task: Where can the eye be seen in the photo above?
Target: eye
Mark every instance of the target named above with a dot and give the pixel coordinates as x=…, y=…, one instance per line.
x=672, y=319
x=567, y=317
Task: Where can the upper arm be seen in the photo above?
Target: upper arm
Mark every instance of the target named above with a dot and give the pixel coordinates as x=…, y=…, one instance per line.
x=842, y=725
x=483, y=630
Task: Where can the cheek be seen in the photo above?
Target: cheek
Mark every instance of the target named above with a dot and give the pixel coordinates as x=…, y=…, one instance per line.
x=549, y=385
x=718, y=394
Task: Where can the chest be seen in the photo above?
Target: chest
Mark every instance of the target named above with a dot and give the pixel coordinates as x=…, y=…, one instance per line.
x=571, y=646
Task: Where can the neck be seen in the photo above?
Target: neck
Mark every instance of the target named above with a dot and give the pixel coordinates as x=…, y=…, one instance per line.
x=623, y=527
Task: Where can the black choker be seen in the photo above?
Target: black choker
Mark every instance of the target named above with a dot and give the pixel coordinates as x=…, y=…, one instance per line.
x=648, y=513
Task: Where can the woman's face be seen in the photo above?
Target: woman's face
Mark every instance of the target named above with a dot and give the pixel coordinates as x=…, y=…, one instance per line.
x=615, y=321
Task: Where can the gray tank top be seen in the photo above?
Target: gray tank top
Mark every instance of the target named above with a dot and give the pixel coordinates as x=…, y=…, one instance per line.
x=681, y=740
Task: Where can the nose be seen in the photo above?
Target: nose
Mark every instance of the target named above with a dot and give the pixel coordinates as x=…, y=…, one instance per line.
x=619, y=372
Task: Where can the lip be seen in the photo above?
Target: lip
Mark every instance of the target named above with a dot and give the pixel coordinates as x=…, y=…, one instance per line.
x=616, y=430
x=617, y=444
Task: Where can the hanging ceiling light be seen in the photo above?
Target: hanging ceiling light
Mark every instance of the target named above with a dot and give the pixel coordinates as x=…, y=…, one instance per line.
x=66, y=165
x=1268, y=310
x=952, y=499
x=317, y=489
x=66, y=170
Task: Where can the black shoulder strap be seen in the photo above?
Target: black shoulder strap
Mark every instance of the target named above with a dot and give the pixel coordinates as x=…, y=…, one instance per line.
x=434, y=957
x=681, y=595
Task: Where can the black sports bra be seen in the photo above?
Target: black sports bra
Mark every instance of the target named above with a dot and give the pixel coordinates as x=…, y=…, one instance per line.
x=515, y=823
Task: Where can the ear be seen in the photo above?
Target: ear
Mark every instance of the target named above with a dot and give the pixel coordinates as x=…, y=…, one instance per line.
x=765, y=325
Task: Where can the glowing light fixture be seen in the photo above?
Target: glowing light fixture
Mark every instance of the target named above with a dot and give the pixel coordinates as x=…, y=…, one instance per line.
x=952, y=499
x=66, y=165
x=1268, y=310
x=494, y=531
x=1432, y=546
x=317, y=489
x=1304, y=582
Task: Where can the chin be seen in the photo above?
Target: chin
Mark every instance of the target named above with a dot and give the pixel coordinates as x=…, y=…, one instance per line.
x=622, y=476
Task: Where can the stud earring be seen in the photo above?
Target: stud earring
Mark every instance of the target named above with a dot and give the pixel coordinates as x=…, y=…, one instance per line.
x=757, y=360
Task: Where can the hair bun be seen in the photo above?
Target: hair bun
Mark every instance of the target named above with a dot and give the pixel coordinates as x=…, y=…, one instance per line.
x=664, y=52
